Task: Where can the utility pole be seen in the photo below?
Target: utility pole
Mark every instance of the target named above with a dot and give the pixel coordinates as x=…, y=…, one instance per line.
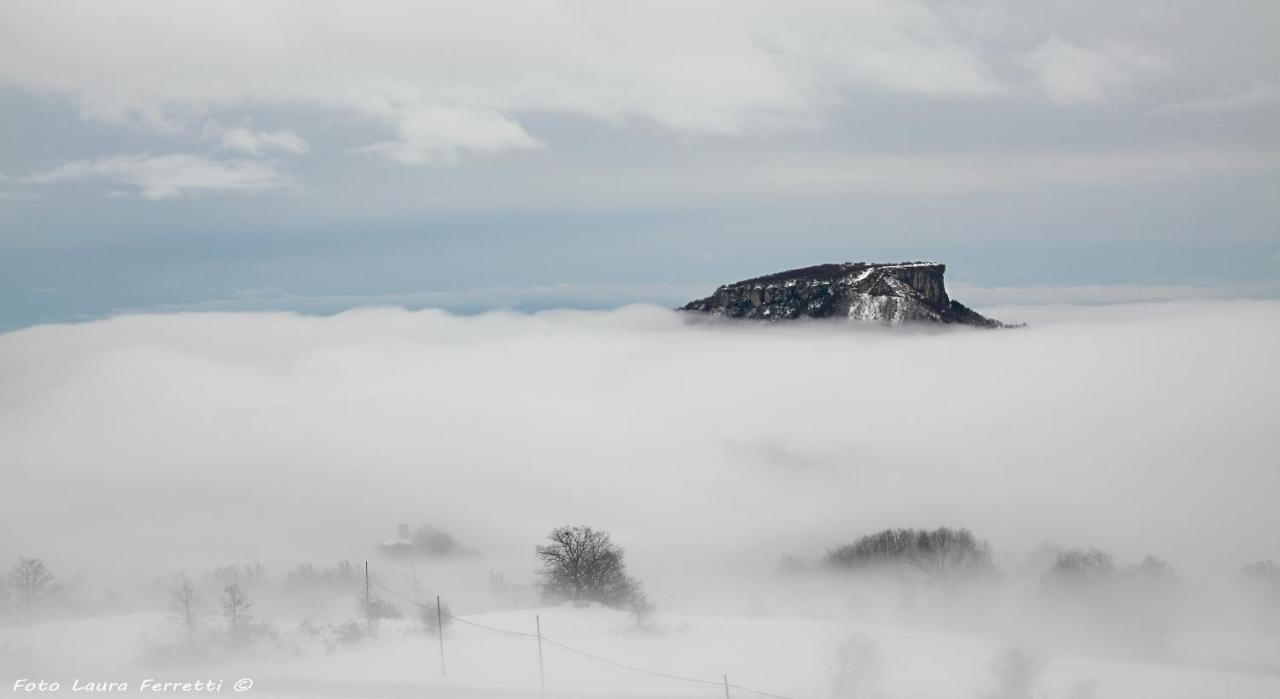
x=726, y=687
x=542, y=673
x=368, y=601
x=440, y=633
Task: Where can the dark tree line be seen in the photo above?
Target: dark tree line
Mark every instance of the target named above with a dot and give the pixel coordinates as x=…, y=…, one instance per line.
x=941, y=554
x=1095, y=567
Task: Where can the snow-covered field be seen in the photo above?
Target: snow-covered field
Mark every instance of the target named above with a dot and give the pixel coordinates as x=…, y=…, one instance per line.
x=788, y=657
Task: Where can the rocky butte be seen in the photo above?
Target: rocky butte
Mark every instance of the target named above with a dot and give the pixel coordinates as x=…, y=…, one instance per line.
x=886, y=292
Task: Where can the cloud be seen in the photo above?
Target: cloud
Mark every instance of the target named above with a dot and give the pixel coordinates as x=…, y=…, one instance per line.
x=500, y=297
x=951, y=173
x=1071, y=74
x=758, y=175
x=454, y=77
x=1259, y=95
x=497, y=427
x=451, y=79
x=258, y=143
x=170, y=175
x=441, y=134
x=604, y=296
x=1105, y=294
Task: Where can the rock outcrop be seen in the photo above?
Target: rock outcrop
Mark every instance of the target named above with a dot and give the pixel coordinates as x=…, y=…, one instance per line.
x=904, y=292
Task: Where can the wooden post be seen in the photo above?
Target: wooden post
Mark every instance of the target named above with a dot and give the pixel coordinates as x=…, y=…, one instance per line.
x=440, y=633
x=726, y=687
x=368, y=602
x=542, y=673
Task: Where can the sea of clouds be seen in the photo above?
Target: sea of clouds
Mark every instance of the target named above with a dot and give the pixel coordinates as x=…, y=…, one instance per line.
x=143, y=444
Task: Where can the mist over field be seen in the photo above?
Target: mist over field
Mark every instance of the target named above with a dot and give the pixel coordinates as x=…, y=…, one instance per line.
x=727, y=459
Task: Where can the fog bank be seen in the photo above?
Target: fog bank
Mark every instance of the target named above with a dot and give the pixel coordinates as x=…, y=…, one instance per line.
x=144, y=444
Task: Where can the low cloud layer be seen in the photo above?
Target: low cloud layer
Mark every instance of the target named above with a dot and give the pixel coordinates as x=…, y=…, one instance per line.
x=159, y=442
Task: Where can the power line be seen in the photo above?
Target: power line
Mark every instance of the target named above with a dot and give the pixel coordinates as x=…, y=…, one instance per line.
x=453, y=617
x=399, y=596
x=749, y=690
x=632, y=668
x=494, y=629
x=583, y=653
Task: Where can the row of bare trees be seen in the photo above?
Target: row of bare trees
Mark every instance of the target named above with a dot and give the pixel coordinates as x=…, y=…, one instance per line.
x=189, y=610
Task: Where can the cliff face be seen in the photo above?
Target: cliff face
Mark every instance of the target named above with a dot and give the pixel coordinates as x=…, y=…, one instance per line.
x=906, y=292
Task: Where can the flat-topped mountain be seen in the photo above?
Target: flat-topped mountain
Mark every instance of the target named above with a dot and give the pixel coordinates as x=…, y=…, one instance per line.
x=888, y=292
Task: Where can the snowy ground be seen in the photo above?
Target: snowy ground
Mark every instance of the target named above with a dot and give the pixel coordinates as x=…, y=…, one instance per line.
x=787, y=657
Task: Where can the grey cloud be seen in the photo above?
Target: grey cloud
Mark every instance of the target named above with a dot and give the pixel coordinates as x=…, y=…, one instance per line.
x=1102, y=294
x=258, y=143
x=170, y=175
x=1257, y=96
x=449, y=77
x=1071, y=74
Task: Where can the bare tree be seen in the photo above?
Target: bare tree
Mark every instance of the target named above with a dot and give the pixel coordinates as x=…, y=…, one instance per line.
x=344, y=576
x=375, y=608
x=424, y=607
x=413, y=581
x=582, y=563
x=1261, y=584
x=248, y=575
x=253, y=574
x=235, y=609
x=1017, y=671
x=505, y=592
x=952, y=553
x=642, y=611
x=1078, y=566
x=1264, y=573
x=33, y=586
x=858, y=669
x=187, y=608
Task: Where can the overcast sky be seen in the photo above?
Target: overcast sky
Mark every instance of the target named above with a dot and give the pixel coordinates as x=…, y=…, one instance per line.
x=322, y=155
